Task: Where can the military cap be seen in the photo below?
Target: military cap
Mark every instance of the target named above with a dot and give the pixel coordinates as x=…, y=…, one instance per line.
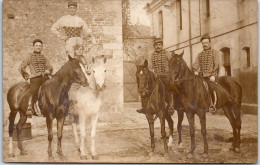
x=205, y=36
x=73, y=3
x=158, y=40
x=37, y=40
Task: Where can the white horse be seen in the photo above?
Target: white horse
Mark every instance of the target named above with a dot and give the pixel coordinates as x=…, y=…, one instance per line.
x=87, y=104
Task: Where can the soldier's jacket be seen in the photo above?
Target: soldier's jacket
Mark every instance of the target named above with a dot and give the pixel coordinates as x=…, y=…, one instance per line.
x=207, y=62
x=37, y=63
x=159, y=62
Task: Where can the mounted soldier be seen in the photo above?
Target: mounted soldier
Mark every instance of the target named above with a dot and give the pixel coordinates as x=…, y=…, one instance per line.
x=207, y=66
x=40, y=68
x=159, y=64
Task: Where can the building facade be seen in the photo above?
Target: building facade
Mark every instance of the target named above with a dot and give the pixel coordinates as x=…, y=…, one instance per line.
x=232, y=25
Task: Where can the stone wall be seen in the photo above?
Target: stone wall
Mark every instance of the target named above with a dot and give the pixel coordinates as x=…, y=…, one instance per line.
x=26, y=20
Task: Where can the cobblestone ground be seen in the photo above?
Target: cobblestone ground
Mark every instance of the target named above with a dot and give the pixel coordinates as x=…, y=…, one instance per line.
x=123, y=136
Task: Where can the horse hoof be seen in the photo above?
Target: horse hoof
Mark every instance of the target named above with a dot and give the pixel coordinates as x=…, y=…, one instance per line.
x=167, y=155
x=51, y=159
x=95, y=157
x=237, y=150
x=190, y=155
x=231, y=148
x=83, y=157
x=151, y=154
x=23, y=152
x=204, y=155
x=79, y=150
x=63, y=158
x=59, y=153
x=11, y=155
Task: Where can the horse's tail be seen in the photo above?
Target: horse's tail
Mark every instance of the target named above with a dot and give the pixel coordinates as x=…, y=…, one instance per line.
x=13, y=105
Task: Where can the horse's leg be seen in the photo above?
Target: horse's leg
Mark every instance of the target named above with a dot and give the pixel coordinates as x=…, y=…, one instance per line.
x=202, y=117
x=163, y=132
x=170, y=124
x=49, y=123
x=75, y=133
x=151, y=127
x=82, y=118
x=11, y=130
x=228, y=112
x=19, y=128
x=93, y=134
x=60, y=122
x=179, y=127
x=236, y=110
x=192, y=133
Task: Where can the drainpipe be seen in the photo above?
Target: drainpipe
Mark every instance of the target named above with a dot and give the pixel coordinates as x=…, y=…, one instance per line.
x=190, y=36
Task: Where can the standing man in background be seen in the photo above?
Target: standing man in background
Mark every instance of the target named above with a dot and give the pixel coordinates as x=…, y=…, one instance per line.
x=74, y=28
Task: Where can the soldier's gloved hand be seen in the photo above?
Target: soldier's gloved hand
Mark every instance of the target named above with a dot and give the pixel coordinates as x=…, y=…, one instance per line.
x=196, y=73
x=25, y=75
x=212, y=78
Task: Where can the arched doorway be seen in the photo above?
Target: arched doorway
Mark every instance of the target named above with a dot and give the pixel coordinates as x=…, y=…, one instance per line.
x=226, y=60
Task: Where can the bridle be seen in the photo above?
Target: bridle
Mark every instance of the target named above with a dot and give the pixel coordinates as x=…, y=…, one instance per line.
x=147, y=88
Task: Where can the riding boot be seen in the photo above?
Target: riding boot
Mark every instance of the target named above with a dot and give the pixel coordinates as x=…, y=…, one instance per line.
x=171, y=108
x=142, y=109
x=29, y=110
x=213, y=100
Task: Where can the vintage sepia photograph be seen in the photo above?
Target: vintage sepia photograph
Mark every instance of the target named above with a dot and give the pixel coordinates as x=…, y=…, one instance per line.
x=130, y=81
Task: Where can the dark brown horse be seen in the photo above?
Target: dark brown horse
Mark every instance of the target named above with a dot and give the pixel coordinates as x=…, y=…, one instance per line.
x=191, y=94
x=151, y=88
x=53, y=102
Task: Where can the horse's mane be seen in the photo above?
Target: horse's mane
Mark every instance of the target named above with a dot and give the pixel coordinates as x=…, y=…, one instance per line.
x=63, y=70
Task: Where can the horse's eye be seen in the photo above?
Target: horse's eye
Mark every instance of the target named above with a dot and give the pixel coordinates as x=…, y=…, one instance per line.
x=93, y=71
x=105, y=70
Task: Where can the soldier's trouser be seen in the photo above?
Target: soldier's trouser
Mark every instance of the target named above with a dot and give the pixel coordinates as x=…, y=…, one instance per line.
x=70, y=43
x=35, y=84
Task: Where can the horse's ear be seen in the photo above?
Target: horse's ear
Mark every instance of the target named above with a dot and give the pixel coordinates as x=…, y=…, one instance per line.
x=70, y=58
x=181, y=55
x=93, y=60
x=145, y=63
x=105, y=60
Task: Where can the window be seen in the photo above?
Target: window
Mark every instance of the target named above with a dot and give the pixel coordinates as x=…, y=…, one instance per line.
x=246, y=55
x=160, y=15
x=179, y=14
x=226, y=60
x=207, y=8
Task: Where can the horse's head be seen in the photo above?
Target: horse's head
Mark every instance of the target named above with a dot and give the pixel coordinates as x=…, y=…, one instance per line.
x=77, y=72
x=98, y=71
x=143, y=78
x=176, y=67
